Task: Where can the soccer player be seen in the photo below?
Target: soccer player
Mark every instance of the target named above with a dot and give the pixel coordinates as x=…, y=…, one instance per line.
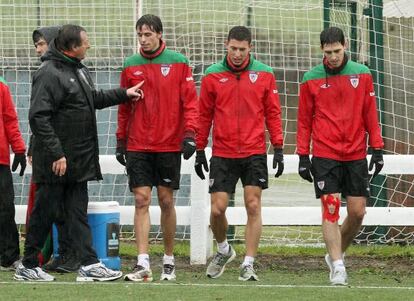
x=337, y=112
x=239, y=97
x=151, y=135
x=67, y=260
x=65, y=151
x=9, y=136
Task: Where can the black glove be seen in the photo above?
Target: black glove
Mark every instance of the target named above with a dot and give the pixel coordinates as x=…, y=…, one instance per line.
x=200, y=162
x=188, y=147
x=305, y=168
x=378, y=160
x=121, y=151
x=19, y=159
x=278, y=162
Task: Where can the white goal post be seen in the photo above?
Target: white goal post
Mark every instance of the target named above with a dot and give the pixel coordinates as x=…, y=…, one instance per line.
x=197, y=214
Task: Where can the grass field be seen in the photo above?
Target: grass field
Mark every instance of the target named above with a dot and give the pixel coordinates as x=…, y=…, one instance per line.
x=375, y=273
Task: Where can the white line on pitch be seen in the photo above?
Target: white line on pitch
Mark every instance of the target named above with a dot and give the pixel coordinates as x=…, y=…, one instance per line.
x=213, y=285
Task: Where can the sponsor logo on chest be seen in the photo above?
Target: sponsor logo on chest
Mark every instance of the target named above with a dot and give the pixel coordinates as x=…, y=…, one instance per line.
x=354, y=79
x=165, y=69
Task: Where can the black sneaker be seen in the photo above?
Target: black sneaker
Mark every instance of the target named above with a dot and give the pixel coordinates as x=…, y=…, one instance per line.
x=69, y=264
x=52, y=265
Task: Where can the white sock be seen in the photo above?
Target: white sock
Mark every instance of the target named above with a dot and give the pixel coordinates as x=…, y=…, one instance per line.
x=338, y=264
x=143, y=260
x=168, y=259
x=223, y=247
x=248, y=260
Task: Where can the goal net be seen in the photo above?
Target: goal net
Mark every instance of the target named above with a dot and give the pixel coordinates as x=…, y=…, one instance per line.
x=285, y=36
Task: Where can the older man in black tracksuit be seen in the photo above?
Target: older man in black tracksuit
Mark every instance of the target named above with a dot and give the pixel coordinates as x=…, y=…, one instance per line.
x=65, y=151
x=67, y=260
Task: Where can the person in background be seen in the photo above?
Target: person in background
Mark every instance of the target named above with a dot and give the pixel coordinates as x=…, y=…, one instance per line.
x=10, y=136
x=338, y=115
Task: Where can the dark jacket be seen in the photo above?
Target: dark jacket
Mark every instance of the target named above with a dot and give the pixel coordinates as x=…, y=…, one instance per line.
x=62, y=117
x=48, y=34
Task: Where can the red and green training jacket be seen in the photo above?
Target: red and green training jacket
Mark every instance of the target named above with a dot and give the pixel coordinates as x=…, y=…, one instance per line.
x=170, y=107
x=10, y=134
x=239, y=105
x=338, y=113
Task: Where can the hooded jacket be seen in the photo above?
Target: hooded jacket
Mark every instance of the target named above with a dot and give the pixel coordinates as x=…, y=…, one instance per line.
x=239, y=105
x=48, y=33
x=338, y=113
x=62, y=117
x=9, y=126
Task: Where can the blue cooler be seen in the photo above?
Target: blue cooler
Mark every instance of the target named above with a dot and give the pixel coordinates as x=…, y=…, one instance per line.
x=103, y=219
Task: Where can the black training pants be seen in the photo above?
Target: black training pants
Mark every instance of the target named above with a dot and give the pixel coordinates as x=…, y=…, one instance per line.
x=60, y=203
x=9, y=237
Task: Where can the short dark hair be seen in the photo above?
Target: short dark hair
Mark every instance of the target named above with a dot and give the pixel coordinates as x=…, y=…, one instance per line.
x=332, y=35
x=152, y=21
x=37, y=36
x=69, y=37
x=240, y=33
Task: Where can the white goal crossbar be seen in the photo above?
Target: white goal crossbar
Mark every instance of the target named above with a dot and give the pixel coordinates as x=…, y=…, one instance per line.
x=197, y=215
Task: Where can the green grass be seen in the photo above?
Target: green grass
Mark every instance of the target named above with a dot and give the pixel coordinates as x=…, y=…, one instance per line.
x=286, y=273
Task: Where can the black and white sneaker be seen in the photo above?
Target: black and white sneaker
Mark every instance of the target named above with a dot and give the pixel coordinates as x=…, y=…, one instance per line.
x=168, y=272
x=31, y=274
x=97, y=272
x=139, y=274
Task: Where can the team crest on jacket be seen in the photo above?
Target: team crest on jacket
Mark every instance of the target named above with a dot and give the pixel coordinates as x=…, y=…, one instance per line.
x=253, y=76
x=165, y=69
x=354, y=79
x=321, y=184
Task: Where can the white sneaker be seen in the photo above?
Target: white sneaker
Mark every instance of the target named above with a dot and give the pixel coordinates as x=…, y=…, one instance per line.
x=218, y=263
x=339, y=277
x=329, y=262
x=139, y=274
x=168, y=272
x=97, y=272
x=31, y=274
x=330, y=265
x=247, y=273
